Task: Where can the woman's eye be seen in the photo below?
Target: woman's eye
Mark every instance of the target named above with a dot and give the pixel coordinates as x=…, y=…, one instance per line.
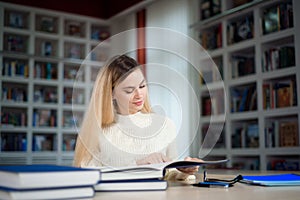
x=128, y=91
x=142, y=86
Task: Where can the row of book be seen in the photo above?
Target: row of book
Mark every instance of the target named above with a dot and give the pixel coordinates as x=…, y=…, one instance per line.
x=45, y=71
x=280, y=94
x=73, y=96
x=41, y=118
x=14, y=93
x=272, y=59
x=100, y=33
x=242, y=66
x=278, y=58
x=16, y=19
x=252, y=163
x=44, y=118
x=9, y=118
x=210, y=8
x=71, y=120
x=48, y=48
x=73, y=72
x=286, y=164
x=243, y=98
x=13, y=142
x=214, y=104
x=41, y=95
x=20, y=68
x=212, y=71
x=44, y=142
x=211, y=39
x=246, y=163
x=278, y=17
x=45, y=95
x=14, y=68
x=16, y=43
x=246, y=136
x=275, y=18
x=40, y=142
x=19, y=44
x=74, y=51
x=282, y=133
x=69, y=142
x=48, y=24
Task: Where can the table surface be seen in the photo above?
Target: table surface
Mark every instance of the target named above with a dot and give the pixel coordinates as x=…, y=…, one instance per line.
x=184, y=190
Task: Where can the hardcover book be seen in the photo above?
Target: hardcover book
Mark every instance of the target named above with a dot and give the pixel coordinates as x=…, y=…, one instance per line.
x=131, y=185
x=38, y=194
x=288, y=134
x=46, y=176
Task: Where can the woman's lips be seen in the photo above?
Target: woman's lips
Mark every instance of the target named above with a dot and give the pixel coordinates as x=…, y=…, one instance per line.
x=138, y=103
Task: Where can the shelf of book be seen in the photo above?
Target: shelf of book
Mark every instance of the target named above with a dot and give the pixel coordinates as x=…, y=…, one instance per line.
x=46, y=68
x=253, y=44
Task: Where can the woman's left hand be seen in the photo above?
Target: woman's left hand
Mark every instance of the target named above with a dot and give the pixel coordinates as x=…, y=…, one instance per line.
x=190, y=170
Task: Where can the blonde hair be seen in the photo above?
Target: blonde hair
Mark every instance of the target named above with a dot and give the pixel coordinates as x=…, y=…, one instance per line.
x=101, y=111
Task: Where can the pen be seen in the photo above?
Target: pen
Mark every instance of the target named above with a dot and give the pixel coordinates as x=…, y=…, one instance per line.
x=212, y=184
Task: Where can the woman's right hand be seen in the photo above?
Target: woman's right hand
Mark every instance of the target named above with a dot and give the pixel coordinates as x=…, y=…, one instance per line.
x=153, y=159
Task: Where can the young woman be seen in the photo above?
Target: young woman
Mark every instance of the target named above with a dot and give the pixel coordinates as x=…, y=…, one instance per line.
x=119, y=128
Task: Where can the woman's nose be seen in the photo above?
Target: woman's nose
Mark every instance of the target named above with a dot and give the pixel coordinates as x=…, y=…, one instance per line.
x=137, y=92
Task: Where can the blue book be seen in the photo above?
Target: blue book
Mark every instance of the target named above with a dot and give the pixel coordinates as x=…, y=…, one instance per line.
x=46, y=193
x=273, y=180
x=46, y=176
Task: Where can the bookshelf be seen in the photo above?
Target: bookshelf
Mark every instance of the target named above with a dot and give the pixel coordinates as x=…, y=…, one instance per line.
x=253, y=44
x=42, y=53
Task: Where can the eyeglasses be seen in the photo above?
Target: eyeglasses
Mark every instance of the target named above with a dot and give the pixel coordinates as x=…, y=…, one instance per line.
x=214, y=182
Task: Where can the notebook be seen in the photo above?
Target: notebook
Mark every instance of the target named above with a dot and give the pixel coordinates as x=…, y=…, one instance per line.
x=273, y=180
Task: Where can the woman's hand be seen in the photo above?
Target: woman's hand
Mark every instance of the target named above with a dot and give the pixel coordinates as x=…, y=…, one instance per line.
x=153, y=159
x=190, y=170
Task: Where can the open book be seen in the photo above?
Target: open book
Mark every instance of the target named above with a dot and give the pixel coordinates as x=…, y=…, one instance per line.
x=152, y=171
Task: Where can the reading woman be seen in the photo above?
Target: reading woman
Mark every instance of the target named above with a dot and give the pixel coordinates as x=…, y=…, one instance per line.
x=119, y=128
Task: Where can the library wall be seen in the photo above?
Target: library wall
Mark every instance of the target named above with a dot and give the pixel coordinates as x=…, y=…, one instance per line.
x=48, y=67
x=254, y=47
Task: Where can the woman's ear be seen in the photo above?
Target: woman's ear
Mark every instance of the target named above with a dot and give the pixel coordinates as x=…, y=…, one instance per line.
x=113, y=95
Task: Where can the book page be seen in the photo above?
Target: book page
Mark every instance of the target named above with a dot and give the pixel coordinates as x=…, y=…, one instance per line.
x=160, y=166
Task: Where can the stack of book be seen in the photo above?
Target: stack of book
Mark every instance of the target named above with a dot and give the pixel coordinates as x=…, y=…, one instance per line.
x=47, y=182
x=136, y=178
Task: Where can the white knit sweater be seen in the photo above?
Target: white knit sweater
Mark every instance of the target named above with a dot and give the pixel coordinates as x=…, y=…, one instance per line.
x=133, y=137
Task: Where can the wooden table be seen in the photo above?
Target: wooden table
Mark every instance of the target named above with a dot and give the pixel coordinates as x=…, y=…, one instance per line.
x=185, y=191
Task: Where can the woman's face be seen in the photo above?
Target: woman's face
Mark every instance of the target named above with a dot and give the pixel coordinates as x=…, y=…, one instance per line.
x=130, y=94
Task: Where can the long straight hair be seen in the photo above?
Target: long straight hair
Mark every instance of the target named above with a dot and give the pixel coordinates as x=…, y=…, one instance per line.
x=101, y=111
